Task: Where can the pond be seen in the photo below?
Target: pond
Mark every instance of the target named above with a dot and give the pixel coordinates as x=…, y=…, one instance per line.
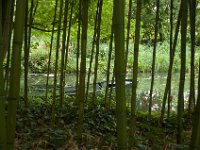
x=144, y=81
x=143, y=90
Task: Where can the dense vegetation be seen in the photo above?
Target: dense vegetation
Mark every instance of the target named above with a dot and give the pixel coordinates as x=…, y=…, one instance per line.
x=41, y=39
x=88, y=38
x=39, y=59
x=35, y=132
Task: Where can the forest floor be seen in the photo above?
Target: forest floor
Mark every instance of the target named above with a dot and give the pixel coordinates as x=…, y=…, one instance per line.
x=35, y=131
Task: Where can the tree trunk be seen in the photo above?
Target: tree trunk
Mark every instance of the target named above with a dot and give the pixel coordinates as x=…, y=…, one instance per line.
x=27, y=41
x=81, y=86
x=7, y=31
x=13, y=97
x=170, y=54
x=68, y=38
x=135, y=70
x=97, y=48
x=78, y=45
x=128, y=31
x=118, y=28
x=6, y=17
x=2, y=107
x=56, y=63
x=92, y=50
x=182, y=71
x=62, y=73
x=2, y=90
x=167, y=87
x=192, y=6
x=51, y=46
x=154, y=56
x=194, y=145
x=108, y=67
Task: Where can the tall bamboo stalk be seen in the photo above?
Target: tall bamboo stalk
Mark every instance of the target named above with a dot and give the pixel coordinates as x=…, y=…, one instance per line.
x=2, y=91
x=7, y=26
x=97, y=48
x=15, y=72
x=92, y=50
x=154, y=55
x=2, y=104
x=195, y=138
x=108, y=66
x=169, y=75
x=170, y=54
x=182, y=71
x=62, y=74
x=68, y=37
x=78, y=45
x=56, y=62
x=7, y=31
x=26, y=55
x=118, y=28
x=192, y=6
x=6, y=21
x=128, y=31
x=27, y=46
x=135, y=69
x=81, y=86
x=51, y=46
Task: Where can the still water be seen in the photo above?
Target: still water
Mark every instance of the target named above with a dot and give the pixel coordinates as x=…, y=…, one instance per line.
x=144, y=81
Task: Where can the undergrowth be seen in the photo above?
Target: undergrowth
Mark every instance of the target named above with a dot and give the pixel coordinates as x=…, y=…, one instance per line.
x=34, y=130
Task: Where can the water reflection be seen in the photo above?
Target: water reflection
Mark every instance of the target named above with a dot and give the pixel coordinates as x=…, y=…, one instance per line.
x=142, y=89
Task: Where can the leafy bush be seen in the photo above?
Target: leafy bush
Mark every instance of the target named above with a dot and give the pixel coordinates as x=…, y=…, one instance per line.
x=38, y=61
x=34, y=130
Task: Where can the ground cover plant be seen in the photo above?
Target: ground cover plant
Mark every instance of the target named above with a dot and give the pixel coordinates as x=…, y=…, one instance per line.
x=34, y=130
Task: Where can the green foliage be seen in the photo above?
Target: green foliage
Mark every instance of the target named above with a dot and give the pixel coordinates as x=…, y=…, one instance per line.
x=39, y=58
x=44, y=16
x=38, y=61
x=162, y=57
x=34, y=131
x=106, y=20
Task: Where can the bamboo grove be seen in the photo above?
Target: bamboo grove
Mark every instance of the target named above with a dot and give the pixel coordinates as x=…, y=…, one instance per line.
x=18, y=21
